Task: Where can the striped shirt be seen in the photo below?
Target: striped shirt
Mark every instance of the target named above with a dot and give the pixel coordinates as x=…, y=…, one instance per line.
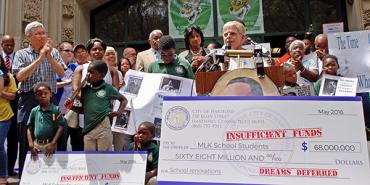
x=43, y=73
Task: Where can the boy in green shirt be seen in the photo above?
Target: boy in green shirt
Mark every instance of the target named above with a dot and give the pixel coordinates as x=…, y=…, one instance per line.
x=96, y=98
x=143, y=141
x=44, y=127
x=170, y=63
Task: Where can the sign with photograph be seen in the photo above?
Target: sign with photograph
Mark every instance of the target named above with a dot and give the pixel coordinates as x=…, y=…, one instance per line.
x=352, y=50
x=263, y=140
x=184, y=13
x=248, y=11
x=86, y=168
x=304, y=90
x=145, y=92
x=338, y=86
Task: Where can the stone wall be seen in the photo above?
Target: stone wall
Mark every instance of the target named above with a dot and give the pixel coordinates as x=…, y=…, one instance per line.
x=69, y=20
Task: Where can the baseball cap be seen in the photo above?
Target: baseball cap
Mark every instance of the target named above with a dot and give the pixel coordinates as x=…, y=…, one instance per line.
x=79, y=46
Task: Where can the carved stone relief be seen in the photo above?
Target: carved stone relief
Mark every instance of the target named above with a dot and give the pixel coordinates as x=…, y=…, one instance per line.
x=68, y=8
x=67, y=34
x=366, y=16
x=32, y=10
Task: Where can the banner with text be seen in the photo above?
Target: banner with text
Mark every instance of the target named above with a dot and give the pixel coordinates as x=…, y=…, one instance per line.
x=183, y=13
x=263, y=140
x=250, y=12
x=145, y=92
x=353, y=52
x=79, y=168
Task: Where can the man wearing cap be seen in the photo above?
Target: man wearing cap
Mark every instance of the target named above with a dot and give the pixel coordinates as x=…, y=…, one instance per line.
x=170, y=63
x=81, y=55
x=74, y=130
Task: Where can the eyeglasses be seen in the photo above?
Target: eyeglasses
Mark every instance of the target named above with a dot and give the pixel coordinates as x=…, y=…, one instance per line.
x=67, y=50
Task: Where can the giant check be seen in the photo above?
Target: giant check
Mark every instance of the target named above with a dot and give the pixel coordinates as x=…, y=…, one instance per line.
x=263, y=140
x=79, y=168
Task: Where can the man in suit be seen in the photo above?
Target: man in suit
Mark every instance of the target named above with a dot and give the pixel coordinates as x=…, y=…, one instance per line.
x=145, y=58
x=7, y=44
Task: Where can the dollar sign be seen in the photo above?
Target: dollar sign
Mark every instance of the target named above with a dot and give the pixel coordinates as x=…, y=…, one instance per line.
x=304, y=146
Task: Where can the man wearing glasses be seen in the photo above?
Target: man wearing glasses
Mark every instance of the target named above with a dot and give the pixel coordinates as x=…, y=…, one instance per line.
x=39, y=62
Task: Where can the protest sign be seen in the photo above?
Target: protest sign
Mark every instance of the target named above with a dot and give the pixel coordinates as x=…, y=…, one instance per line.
x=145, y=91
x=86, y=168
x=338, y=86
x=352, y=50
x=263, y=140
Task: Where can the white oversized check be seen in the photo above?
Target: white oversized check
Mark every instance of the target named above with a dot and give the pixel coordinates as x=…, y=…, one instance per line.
x=263, y=140
x=86, y=168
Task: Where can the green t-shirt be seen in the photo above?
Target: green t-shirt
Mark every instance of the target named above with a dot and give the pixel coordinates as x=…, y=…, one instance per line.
x=316, y=86
x=45, y=123
x=153, y=154
x=97, y=104
x=179, y=67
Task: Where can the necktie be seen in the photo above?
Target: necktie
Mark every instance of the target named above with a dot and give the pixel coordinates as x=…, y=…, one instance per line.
x=7, y=62
x=157, y=55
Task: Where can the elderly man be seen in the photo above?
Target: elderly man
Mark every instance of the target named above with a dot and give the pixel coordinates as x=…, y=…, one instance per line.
x=145, y=58
x=130, y=54
x=306, y=68
x=321, y=45
x=170, y=62
x=286, y=56
x=40, y=62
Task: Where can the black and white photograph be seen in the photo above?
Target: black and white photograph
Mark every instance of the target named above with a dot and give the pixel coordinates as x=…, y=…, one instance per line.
x=157, y=125
x=133, y=85
x=171, y=85
x=122, y=120
x=330, y=86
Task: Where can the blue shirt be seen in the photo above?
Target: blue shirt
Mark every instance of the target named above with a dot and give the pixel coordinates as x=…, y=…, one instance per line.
x=64, y=92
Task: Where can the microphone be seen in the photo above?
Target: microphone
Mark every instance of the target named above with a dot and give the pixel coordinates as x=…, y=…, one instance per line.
x=250, y=41
x=227, y=46
x=207, y=62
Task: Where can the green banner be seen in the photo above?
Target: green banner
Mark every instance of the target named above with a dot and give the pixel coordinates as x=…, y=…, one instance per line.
x=249, y=11
x=183, y=13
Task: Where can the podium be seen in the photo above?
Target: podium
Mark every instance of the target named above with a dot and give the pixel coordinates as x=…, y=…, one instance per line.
x=205, y=81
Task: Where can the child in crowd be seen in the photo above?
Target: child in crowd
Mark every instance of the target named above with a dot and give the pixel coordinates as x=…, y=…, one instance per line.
x=330, y=66
x=290, y=75
x=44, y=126
x=96, y=100
x=143, y=140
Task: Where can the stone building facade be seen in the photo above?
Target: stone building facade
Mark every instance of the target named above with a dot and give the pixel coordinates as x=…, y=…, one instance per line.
x=70, y=19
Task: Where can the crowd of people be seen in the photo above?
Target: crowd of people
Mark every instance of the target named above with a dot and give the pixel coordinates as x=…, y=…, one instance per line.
x=73, y=86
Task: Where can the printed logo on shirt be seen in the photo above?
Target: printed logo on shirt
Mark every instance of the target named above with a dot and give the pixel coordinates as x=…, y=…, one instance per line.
x=150, y=157
x=179, y=69
x=101, y=93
